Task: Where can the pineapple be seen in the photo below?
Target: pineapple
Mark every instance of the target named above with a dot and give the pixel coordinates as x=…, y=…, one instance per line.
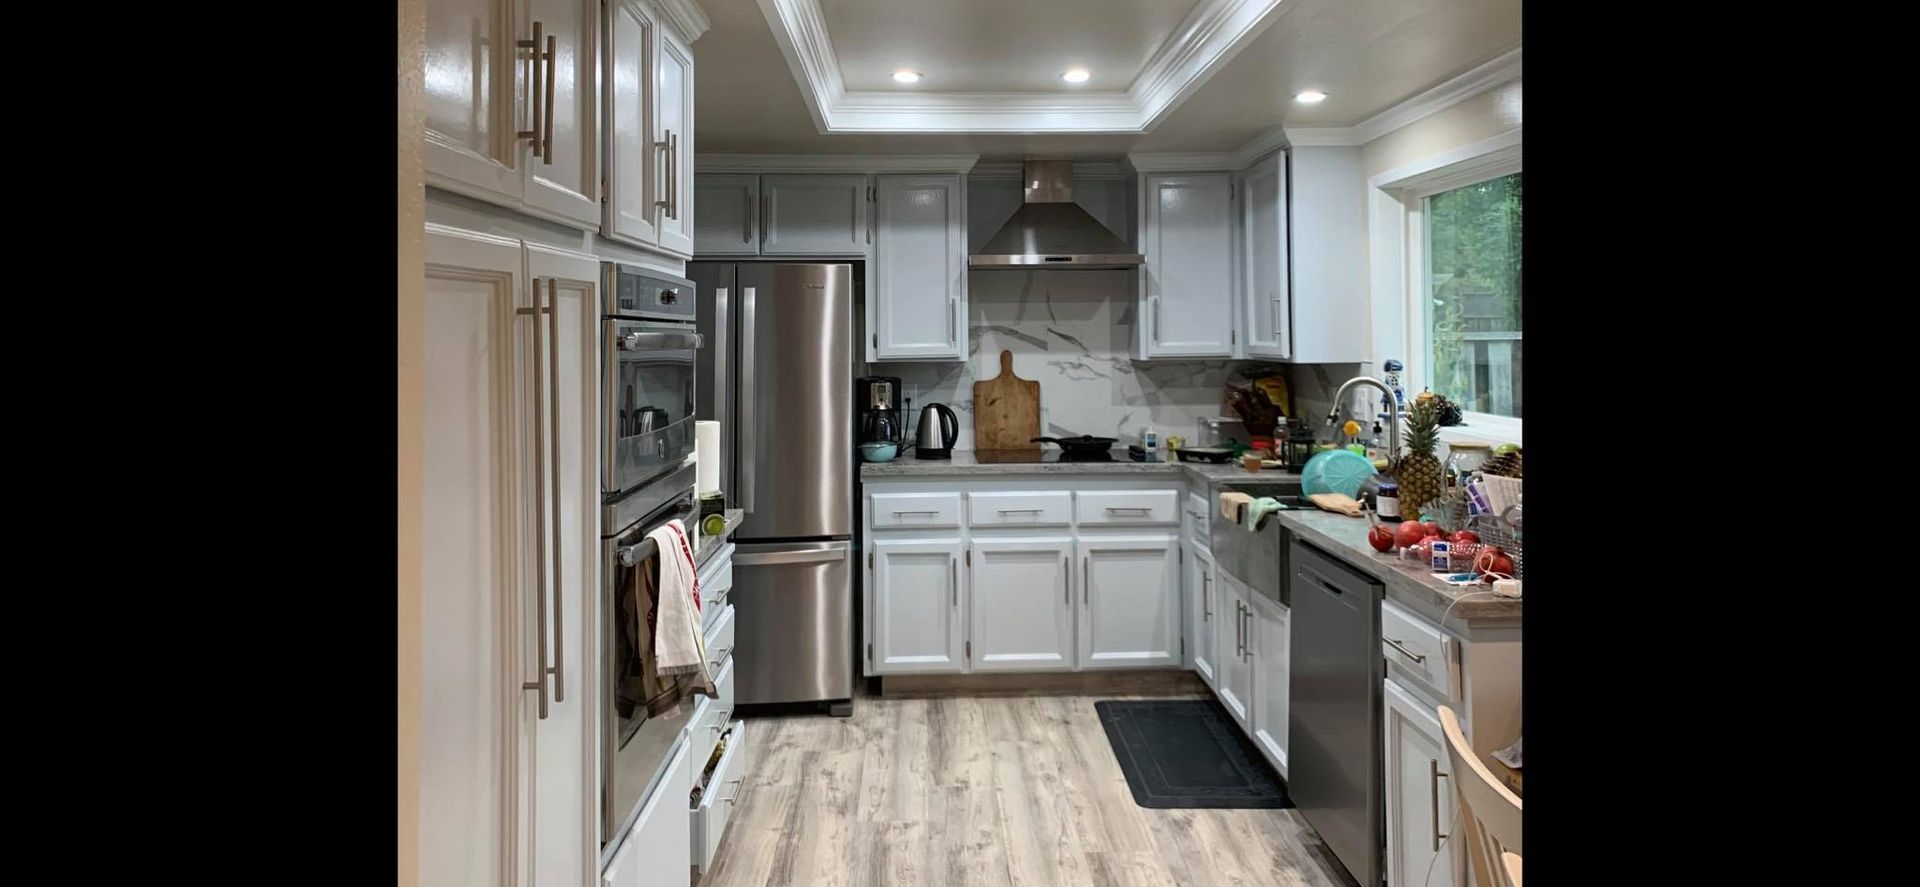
x=1421, y=478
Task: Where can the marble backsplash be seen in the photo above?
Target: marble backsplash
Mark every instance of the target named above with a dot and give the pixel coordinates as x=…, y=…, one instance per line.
x=1072, y=331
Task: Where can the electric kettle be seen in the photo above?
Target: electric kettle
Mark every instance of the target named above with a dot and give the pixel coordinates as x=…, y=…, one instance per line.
x=939, y=429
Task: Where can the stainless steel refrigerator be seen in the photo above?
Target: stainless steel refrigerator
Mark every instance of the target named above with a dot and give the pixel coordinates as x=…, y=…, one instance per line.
x=778, y=373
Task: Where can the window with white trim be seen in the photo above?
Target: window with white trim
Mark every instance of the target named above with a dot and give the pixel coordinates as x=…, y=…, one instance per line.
x=1469, y=293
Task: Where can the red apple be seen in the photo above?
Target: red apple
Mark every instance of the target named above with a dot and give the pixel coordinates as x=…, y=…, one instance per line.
x=1409, y=533
x=1380, y=538
x=1464, y=536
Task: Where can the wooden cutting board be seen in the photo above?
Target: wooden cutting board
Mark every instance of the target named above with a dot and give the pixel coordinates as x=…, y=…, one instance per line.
x=1006, y=410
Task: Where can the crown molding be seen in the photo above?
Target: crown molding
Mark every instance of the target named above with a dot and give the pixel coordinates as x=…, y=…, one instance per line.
x=1212, y=161
x=1259, y=146
x=1209, y=37
x=1083, y=171
x=1502, y=68
x=687, y=17
x=840, y=163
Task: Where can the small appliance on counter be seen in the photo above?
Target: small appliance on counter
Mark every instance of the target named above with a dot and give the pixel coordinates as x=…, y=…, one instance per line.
x=938, y=431
x=877, y=402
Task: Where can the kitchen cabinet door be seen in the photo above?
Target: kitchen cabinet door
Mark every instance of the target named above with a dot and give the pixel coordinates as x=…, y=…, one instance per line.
x=1263, y=253
x=1270, y=627
x=726, y=215
x=1018, y=594
x=477, y=98
x=477, y=606
x=633, y=183
x=673, y=143
x=565, y=819
x=814, y=215
x=1129, y=601
x=659, y=850
x=1186, y=305
x=916, y=607
x=563, y=177
x=1233, y=670
x=1200, y=611
x=1417, y=793
x=1329, y=255
x=920, y=269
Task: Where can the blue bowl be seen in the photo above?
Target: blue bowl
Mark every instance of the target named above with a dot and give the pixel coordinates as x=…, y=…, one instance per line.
x=1335, y=471
x=879, y=451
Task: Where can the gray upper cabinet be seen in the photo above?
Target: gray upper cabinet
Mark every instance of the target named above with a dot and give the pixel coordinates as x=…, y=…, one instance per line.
x=814, y=215
x=917, y=305
x=1186, y=286
x=781, y=215
x=726, y=214
x=1263, y=255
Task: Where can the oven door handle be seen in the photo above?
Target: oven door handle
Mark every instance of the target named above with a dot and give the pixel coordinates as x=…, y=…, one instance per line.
x=746, y=455
x=660, y=342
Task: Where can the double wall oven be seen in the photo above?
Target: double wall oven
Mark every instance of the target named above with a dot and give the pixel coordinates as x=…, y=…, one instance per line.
x=649, y=349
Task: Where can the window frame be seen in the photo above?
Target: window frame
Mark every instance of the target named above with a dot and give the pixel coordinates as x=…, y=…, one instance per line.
x=1399, y=243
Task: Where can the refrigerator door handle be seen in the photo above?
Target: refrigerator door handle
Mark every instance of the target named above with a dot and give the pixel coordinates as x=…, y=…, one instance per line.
x=745, y=457
x=799, y=553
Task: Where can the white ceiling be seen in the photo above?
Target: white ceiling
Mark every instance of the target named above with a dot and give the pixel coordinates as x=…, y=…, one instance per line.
x=1366, y=54
x=996, y=45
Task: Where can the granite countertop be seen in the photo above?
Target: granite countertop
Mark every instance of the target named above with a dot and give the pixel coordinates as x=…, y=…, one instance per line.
x=1408, y=583
x=964, y=463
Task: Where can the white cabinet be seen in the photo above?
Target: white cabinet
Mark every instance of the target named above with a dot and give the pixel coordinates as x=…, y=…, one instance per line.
x=1201, y=607
x=1186, y=285
x=814, y=215
x=1420, y=802
x=659, y=850
x=1233, y=667
x=916, y=606
x=918, y=299
x=1328, y=253
x=1270, y=628
x=1018, y=592
x=512, y=124
x=726, y=215
x=649, y=112
x=511, y=511
x=1129, y=601
x=1264, y=313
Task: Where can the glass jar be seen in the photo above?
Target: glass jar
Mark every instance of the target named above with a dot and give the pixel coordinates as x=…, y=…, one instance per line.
x=1386, y=497
x=1465, y=458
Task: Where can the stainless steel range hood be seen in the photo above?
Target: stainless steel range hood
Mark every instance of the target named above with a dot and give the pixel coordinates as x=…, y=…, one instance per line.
x=1051, y=231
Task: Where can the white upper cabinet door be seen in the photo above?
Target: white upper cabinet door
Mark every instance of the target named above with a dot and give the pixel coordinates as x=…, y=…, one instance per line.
x=477, y=85
x=1271, y=625
x=567, y=285
x=673, y=144
x=563, y=170
x=1263, y=253
x=477, y=602
x=632, y=39
x=1233, y=668
x=1329, y=256
x=727, y=215
x=1018, y=592
x=919, y=292
x=1201, y=607
x=1129, y=601
x=916, y=607
x=1417, y=788
x=1187, y=287
x=809, y=215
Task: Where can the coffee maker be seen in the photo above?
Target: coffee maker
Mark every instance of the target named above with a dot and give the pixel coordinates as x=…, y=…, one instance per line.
x=876, y=401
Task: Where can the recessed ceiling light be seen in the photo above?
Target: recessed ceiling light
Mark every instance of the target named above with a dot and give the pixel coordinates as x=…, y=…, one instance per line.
x=1310, y=97
x=1077, y=75
x=905, y=76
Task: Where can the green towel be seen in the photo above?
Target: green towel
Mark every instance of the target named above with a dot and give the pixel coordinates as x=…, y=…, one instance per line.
x=1258, y=510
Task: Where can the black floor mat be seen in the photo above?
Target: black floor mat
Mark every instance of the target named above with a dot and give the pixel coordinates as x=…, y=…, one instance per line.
x=1188, y=754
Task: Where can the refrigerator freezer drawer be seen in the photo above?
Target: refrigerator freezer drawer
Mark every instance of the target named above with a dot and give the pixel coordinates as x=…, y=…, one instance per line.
x=793, y=638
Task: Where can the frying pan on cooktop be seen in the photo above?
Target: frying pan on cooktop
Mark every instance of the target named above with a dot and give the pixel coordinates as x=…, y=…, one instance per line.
x=1080, y=446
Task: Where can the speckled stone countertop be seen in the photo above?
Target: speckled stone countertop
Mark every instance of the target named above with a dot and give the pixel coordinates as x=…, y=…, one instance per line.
x=1408, y=583
x=964, y=464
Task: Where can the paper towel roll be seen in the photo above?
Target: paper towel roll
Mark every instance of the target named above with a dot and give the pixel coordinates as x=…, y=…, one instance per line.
x=706, y=451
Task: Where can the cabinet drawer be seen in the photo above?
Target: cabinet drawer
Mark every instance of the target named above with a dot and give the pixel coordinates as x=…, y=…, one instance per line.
x=1127, y=508
x=1019, y=509
x=1199, y=517
x=716, y=580
x=711, y=716
x=901, y=510
x=720, y=640
x=1415, y=648
x=718, y=799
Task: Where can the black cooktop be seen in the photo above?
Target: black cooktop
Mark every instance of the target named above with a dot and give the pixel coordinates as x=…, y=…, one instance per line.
x=1038, y=455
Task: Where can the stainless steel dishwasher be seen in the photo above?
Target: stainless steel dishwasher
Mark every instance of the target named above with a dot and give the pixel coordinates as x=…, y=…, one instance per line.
x=1334, y=718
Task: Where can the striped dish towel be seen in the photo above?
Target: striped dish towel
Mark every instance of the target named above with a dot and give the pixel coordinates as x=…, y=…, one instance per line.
x=679, y=647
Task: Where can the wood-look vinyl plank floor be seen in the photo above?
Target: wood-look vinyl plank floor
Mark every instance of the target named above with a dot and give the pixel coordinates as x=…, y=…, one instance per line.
x=990, y=790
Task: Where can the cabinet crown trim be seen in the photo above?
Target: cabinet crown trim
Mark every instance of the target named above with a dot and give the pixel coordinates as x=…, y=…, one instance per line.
x=686, y=16
x=834, y=163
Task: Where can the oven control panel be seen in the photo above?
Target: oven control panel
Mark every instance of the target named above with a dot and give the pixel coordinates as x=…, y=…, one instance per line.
x=637, y=292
